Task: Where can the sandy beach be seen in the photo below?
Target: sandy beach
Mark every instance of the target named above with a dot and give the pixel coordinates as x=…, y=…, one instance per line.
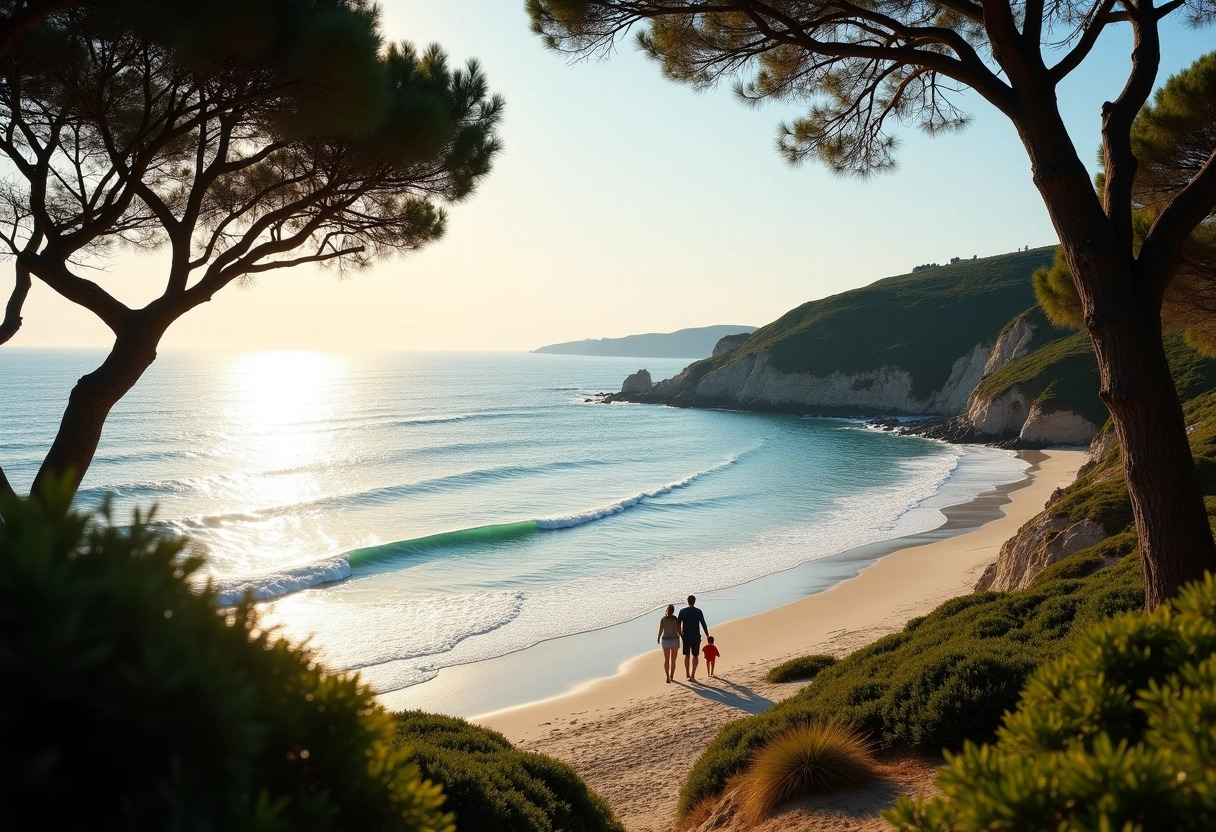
x=634, y=738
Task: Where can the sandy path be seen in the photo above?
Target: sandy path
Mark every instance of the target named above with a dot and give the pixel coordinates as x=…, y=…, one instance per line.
x=634, y=738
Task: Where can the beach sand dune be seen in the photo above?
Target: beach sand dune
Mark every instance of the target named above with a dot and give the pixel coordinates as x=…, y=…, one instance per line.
x=634, y=738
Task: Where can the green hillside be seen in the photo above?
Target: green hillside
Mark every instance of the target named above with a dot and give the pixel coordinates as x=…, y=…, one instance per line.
x=921, y=322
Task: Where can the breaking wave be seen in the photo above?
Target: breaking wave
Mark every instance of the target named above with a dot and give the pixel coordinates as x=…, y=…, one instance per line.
x=296, y=578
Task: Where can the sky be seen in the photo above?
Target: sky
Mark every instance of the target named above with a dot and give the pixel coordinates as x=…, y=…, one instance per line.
x=624, y=203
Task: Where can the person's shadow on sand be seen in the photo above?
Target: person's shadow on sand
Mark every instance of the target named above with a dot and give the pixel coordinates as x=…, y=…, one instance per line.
x=728, y=693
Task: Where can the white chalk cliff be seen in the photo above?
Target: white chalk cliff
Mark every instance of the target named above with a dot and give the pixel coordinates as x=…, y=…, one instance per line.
x=751, y=380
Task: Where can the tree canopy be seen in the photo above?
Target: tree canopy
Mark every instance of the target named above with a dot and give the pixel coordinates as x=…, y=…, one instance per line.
x=241, y=137
x=1173, y=137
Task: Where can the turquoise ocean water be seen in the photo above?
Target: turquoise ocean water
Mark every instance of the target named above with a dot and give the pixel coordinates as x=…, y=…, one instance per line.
x=415, y=511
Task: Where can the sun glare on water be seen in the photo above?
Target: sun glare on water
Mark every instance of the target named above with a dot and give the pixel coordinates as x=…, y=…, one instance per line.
x=278, y=416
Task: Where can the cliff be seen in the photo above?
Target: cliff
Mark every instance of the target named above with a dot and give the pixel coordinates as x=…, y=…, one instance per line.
x=1088, y=524
x=912, y=344
x=1047, y=393
x=963, y=344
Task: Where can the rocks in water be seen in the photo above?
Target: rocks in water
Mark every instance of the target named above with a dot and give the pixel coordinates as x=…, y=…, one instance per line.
x=639, y=382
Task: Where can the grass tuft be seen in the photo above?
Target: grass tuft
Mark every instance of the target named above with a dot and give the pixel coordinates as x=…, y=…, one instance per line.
x=808, y=759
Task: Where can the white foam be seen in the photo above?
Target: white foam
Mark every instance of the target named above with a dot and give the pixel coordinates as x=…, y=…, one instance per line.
x=282, y=582
x=396, y=643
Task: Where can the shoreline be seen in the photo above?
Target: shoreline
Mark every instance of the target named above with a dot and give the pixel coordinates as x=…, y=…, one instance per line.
x=630, y=731
x=562, y=664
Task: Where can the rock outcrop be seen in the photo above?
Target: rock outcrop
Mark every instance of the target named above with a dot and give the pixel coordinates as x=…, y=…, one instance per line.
x=728, y=343
x=1056, y=427
x=1015, y=415
x=1013, y=343
x=1043, y=541
x=639, y=382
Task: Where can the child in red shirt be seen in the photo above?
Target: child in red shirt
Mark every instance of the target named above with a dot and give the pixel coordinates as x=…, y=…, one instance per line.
x=711, y=654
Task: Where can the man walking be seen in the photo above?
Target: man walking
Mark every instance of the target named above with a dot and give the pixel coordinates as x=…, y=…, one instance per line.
x=692, y=621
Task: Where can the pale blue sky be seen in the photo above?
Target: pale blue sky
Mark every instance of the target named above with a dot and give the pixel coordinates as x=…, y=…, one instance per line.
x=624, y=203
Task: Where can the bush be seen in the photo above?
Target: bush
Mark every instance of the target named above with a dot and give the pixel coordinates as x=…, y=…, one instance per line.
x=492, y=787
x=806, y=760
x=1120, y=733
x=948, y=677
x=130, y=701
x=799, y=669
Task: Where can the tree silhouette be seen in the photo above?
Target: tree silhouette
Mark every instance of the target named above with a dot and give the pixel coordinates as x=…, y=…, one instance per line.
x=861, y=68
x=242, y=137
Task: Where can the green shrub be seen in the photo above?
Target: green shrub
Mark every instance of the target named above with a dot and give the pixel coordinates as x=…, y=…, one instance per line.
x=808, y=759
x=803, y=668
x=1120, y=733
x=130, y=701
x=492, y=787
x=948, y=677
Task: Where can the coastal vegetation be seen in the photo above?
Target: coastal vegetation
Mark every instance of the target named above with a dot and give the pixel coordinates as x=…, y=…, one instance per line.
x=131, y=701
x=490, y=786
x=294, y=136
x=946, y=678
x=859, y=70
x=169, y=712
x=803, y=668
x=1118, y=733
x=949, y=677
x=808, y=759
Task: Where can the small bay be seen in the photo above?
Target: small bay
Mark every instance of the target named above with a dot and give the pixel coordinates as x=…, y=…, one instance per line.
x=409, y=512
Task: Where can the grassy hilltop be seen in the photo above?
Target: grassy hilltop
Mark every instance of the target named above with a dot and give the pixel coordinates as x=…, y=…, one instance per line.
x=920, y=322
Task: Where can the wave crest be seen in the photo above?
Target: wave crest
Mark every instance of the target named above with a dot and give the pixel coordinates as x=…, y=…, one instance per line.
x=295, y=579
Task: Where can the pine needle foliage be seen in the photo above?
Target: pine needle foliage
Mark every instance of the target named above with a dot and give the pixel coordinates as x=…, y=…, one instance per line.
x=130, y=701
x=807, y=760
x=1172, y=139
x=1118, y=734
x=244, y=137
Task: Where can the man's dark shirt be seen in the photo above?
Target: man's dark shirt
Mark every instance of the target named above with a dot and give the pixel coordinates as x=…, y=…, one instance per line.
x=690, y=617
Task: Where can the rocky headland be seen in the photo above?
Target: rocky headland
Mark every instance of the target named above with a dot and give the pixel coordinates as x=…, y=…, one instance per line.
x=963, y=347
x=959, y=353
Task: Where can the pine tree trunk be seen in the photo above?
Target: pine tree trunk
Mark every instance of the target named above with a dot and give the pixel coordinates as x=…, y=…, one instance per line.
x=1175, y=537
x=91, y=401
x=1123, y=317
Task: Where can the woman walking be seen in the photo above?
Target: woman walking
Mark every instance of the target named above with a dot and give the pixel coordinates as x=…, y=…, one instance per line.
x=669, y=639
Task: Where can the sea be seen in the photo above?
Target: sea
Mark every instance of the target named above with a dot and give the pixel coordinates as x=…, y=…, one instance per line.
x=409, y=512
